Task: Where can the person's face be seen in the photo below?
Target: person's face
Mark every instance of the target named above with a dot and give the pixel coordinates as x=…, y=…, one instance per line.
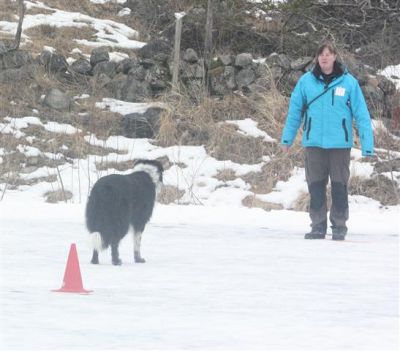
x=326, y=60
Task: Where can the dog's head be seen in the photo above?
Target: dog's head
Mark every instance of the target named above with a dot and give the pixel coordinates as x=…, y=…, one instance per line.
x=153, y=168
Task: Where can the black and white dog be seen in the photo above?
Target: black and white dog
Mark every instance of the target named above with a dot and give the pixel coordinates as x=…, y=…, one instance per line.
x=118, y=201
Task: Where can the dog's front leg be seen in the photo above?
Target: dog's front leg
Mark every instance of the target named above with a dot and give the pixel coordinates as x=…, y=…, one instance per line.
x=137, y=238
x=115, y=254
x=95, y=257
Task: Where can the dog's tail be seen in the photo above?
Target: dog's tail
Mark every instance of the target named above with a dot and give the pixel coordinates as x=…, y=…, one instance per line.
x=96, y=241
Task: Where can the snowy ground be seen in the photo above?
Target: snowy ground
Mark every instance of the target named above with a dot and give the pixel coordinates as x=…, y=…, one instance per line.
x=216, y=278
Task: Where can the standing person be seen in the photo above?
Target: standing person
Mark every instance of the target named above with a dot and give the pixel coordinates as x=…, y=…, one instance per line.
x=326, y=100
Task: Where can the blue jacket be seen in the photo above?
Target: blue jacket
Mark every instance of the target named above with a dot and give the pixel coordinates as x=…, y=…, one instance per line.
x=327, y=123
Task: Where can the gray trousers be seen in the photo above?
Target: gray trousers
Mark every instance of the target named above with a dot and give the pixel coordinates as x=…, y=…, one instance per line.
x=321, y=165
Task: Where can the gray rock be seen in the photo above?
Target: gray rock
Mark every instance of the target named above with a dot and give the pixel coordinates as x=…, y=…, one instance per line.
x=301, y=63
x=54, y=63
x=158, y=49
x=293, y=78
x=190, y=56
x=279, y=60
x=243, y=60
x=224, y=83
x=18, y=75
x=135, y=90
x=3, y=48
x=226, y=59
x=15, y=59
x=192, y=71
x=81, y=66
x=229, y=77
x=260, y=86
x=142, y=125
x=245, y=77
x=126, y=65
x=109, y=68
x=387, y=86
x=137, y=72
x=158, y=78
x=387, y=166
x=58, y=100
x=99, y=55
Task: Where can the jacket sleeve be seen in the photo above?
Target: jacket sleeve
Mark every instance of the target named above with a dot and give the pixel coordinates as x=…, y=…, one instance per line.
x=363, y=120
x=293, y=119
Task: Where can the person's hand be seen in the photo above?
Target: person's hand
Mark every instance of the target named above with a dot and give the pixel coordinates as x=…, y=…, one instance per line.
x=370, y=158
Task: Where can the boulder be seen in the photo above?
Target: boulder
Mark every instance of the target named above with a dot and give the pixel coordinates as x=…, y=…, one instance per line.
x=58, y=100
x=99, y=55
x=142, y=125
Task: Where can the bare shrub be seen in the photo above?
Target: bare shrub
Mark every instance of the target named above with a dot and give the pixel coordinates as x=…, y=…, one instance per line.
x=385, y=140
x=57, y=196
x=227, y=144
x=119, y=166
x=226, y=175
x=62, y=38
x=167, y=133
x=170, y=194
x=379, y=188
x=279, y=167
x=252, y=201
x=270, y=112
x=302, y=202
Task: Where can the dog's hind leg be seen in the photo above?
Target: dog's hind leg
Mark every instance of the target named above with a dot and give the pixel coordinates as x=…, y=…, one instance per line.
x=137, y=238
x=95, y=257
x=115, y=254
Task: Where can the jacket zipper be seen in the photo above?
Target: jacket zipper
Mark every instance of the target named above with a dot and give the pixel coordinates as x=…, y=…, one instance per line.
x=333, y=96
x=308, y=128
x=305, y=121
x=346, y=133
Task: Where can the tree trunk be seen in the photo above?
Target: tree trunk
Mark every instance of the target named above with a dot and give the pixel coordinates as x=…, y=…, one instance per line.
x=177, y=49
x=208, y=46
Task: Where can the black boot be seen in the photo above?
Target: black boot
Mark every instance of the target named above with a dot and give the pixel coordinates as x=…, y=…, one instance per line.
x=339, y=233
x=316, y=233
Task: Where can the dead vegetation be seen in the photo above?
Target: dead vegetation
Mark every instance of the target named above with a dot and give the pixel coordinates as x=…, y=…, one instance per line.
x=56, y=196
x=252, y=201
x=188, y=120
x=62, y=38
x=379, y=188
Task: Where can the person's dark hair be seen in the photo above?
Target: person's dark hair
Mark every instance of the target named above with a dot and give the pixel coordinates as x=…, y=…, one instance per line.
x=337, y=67
x=326, y=44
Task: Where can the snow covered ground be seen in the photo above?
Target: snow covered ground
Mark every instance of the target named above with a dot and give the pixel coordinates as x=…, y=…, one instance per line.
x=216, y=278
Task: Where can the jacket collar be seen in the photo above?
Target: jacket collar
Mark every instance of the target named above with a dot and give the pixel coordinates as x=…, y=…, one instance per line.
x=338, y=70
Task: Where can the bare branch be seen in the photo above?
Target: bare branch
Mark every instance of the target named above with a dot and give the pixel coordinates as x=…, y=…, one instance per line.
x=21, y=14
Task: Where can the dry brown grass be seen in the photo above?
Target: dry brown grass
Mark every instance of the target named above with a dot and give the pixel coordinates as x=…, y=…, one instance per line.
x=170, y=194
x=121, y=166
x=189, y=122
x=226, y=144
x=252, y=201
x=379, y=188
x=61, y=38
x=385, y=140
x=279, y=167
x=83, y=6
x=8, y=10
x=57, y=196
x=168, y=133
x=271, y=112
x=226, y=175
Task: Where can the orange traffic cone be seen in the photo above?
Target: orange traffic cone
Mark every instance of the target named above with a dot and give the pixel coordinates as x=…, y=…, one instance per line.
x=72, y=282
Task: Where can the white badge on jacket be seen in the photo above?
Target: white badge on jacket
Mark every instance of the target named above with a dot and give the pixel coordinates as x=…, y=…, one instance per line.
x=340, y=91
